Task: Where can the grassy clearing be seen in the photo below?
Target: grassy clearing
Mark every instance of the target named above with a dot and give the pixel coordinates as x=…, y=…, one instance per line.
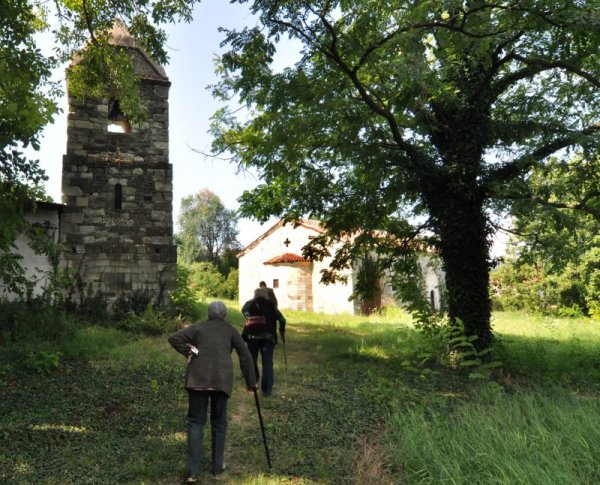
x=552, y=348
x=360, y=403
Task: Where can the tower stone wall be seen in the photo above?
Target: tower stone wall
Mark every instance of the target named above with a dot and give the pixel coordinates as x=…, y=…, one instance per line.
x=117, y=229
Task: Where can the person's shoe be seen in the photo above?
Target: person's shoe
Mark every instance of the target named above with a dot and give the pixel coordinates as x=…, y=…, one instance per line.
x=218, y=472
x=191, y=479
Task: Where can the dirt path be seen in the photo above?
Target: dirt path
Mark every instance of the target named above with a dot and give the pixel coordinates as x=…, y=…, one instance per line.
x=319, y=423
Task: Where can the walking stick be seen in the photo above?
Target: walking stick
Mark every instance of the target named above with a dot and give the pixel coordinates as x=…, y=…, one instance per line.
x=262, y=428
x=284, y=356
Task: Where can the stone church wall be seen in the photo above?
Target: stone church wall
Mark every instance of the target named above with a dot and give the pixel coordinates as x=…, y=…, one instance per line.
x=117, y=228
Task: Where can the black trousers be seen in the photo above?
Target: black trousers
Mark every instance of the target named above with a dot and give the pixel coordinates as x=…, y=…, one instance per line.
x=196, y=419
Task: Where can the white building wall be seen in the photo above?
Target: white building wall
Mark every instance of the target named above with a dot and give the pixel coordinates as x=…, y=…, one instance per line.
x=36, y=266
x=252, y=269
x=318, y=298
x=285, y=278
x=432, y=279
x=331, y=298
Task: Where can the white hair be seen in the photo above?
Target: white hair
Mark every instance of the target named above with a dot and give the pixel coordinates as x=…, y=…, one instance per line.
x=217, y=309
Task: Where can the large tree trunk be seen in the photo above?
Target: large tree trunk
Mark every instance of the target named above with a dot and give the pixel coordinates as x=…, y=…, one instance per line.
x=464, y=248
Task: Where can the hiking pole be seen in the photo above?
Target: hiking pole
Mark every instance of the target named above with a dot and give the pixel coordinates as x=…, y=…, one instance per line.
x=262, y=428
x=284, y=356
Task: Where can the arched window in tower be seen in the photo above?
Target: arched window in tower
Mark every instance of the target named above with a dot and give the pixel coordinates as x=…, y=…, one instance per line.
x=118, y=197
x=117, y=121
x=432, y=300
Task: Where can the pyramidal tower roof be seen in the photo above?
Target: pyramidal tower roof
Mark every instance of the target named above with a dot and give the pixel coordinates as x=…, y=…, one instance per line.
x=144, y=66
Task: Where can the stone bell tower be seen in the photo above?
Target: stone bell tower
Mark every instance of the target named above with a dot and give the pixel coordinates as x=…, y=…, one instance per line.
x=117, y=230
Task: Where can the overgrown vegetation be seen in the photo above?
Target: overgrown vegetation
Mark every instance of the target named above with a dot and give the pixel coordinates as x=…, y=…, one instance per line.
x=55, y=313
x=207, y=246
x=205, y=281
x=553, y=263
x=418, y=122
x=361, y=400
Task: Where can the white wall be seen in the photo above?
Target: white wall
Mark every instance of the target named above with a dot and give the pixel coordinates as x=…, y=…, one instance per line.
x=325, y=298
x=433, y=278
x=251, y=264
x=252, y=270
x=331, y=298
x=36, y=266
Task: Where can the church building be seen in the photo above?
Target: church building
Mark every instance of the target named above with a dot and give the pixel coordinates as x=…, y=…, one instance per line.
x=276, y=258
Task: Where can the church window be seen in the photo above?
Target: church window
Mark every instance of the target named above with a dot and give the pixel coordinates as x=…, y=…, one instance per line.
x=275, y=283
x=118, y=197
x=117, y=121
x=432, y=299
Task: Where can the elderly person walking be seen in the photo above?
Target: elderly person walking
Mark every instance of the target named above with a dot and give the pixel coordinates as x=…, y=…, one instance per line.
x=209, y=379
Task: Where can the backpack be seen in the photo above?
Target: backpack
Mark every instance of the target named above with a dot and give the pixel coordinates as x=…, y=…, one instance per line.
x=256, y=323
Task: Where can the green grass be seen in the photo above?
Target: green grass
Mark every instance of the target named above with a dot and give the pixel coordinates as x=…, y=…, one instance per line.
x=533, y=437
x=561, y=349
x=361, y=401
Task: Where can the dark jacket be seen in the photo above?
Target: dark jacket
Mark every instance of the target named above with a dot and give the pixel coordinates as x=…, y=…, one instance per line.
x=272, y=296
x=262, y=306
x=212, y=367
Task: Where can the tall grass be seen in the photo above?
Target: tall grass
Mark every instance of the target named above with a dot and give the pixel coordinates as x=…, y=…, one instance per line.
x=550, y=348
x=539, y=428
x=536, y=429
x=360, y=401
x=529, y=437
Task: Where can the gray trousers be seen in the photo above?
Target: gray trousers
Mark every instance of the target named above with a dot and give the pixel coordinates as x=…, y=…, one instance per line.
x=196, y=419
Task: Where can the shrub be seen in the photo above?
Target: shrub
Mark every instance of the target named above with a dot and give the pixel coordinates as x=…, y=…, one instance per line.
x=32, y=320
x=205, y=279
x=43, y=362
x=184, y=298
x=135, y=303
x=230, y=287
x=151, y=322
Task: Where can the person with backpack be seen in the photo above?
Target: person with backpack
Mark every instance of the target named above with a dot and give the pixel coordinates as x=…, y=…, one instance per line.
x=270, y=293
x=260, y=334
x=209, y=380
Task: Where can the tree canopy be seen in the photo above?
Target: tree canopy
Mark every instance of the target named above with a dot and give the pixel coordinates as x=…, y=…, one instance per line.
x=411, y=119
x=208, y=230
x=24, y=108
x=554, y=262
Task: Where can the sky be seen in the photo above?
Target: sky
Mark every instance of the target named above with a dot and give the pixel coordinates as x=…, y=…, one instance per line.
x=192, y=48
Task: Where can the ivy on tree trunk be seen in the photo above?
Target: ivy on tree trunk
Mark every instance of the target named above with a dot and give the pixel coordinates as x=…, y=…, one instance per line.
x=406, y=125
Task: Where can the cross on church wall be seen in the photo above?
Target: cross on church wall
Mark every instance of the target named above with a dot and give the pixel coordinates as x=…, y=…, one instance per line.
x=287, y=242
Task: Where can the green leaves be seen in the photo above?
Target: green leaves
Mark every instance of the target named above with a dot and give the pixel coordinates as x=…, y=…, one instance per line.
x=394, y=114
x=554, y=262
x=28, y=96
x=208, y=230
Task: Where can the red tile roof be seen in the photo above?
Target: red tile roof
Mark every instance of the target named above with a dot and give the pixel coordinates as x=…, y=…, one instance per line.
x=286, y=258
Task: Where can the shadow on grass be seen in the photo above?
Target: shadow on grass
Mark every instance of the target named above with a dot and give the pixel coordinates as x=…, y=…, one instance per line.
x=567, y=361
x=122, y=419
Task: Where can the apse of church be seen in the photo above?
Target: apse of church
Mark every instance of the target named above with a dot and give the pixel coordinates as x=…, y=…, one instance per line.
x=117, y=228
